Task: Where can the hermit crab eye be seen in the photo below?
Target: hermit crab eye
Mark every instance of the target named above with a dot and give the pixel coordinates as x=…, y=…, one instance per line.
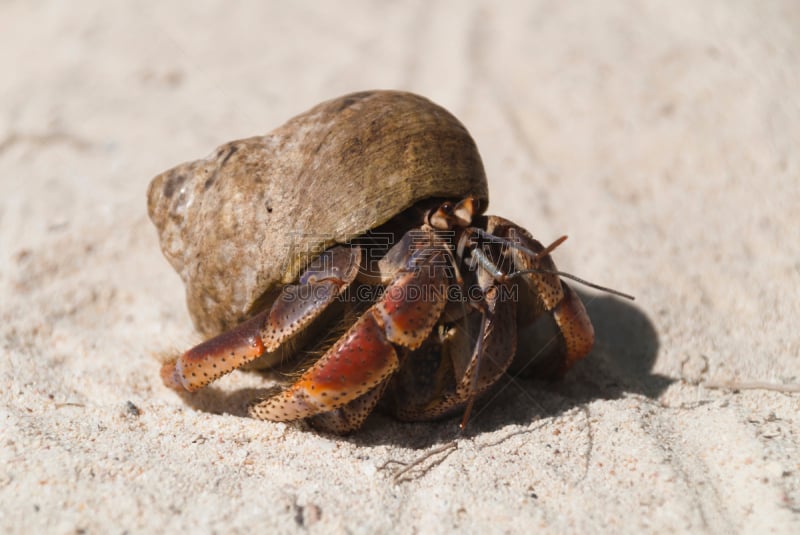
x=441, y=217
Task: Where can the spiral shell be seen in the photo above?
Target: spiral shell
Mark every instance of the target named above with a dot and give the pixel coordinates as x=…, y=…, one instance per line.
x=244, y=221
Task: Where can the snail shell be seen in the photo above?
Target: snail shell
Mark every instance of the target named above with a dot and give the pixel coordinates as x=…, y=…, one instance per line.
x=246, y=220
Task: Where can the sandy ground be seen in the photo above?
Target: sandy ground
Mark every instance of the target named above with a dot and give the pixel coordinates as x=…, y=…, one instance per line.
x=661, y=136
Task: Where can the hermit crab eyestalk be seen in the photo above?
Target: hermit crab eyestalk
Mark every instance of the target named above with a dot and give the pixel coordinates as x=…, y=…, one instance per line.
x=449, y=216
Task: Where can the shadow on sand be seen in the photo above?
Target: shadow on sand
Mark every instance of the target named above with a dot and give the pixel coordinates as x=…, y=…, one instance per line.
x=626, y=346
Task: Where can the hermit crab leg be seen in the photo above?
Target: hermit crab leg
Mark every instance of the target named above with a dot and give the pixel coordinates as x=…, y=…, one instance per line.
x=556, y=296
x=494, y=349
x=352, y=415
x=215, y=357
x=270, y=332
x=356, y=364
x=474, y=382
x=366, y=355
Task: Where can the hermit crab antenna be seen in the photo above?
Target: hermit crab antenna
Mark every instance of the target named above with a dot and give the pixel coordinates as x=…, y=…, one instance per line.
x=541, y=254
x=576, y=279
x=549, y=249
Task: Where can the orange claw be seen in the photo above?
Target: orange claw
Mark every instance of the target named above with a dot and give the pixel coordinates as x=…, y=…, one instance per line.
x=357, y=363
x=271, y=333
x=214, y=358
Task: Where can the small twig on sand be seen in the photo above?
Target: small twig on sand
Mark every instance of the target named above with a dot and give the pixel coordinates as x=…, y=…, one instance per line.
x=402, y=474
x=789, y=388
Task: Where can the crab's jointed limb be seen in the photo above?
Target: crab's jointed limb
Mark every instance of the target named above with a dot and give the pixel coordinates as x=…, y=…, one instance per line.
x=550, y=295
x=269, y=334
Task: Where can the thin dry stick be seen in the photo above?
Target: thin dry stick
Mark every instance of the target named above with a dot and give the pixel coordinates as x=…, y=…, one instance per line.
x=790, y=388
x=69, y=404
x=407, y=467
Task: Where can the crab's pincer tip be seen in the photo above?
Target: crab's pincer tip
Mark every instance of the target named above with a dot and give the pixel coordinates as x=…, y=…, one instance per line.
x=172, y=377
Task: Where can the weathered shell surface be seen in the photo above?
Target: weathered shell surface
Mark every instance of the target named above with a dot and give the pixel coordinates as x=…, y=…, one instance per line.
x=248, y=218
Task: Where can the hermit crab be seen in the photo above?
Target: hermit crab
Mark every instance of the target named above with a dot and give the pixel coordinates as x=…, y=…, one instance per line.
x=352, y=242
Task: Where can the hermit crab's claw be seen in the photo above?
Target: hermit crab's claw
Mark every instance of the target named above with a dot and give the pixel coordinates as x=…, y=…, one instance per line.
x=270, y=333
x=215, y=357
x=357, y=363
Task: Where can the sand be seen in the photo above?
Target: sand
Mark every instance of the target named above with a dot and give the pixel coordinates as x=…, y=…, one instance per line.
x=661, y=137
